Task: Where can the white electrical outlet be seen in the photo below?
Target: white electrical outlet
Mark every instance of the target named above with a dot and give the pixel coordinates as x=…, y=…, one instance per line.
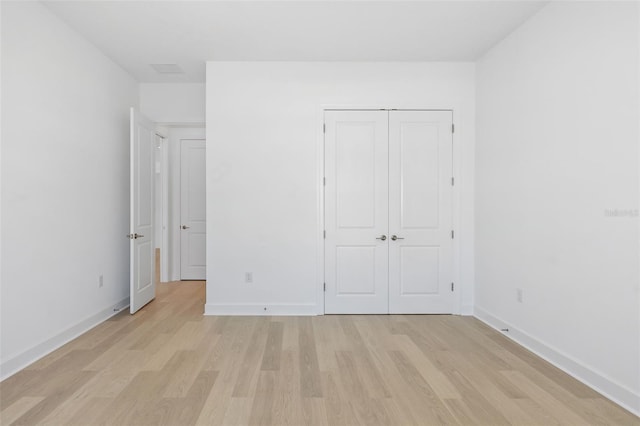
x=519, y=295
x=100, y=281
x=248, y=277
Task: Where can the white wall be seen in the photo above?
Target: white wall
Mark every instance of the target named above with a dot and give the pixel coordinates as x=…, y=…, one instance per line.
x=557, y=147
x=65, y=132
x=264, y=149
x=169, y=103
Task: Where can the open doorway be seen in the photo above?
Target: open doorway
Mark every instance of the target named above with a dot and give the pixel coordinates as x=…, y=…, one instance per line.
x=180, y=203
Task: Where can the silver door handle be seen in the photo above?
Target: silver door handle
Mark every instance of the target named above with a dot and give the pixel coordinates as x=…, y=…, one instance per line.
x=134, y=236
x=382, y=237
x=395, y=237
x=185, y=227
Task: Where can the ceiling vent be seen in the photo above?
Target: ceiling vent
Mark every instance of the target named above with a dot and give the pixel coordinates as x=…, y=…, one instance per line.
x=167, y=68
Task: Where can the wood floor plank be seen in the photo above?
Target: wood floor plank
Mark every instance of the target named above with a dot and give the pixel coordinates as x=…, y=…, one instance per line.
x=310, y=382
x=314, y=412
x=125, y=342
x=214, y=410
x=91, y=409
x=287, y=406
x=337, y=407
x=365, y=362
x=262, y=408
x=56, y=395
x=170, y=365
x=223, y=347
x=238, y=411
x=418, y=386
x=105, y=383
x=560, y=411
x=248, y=375
x=18, y=386
x=328, y=336
x=273, y=348
x=436, y=379
x=18, y=409
x=185, y=338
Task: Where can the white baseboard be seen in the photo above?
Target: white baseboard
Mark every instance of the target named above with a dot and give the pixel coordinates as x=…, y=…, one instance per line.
x=266, y=310
x=13, y=365
x=608, y=387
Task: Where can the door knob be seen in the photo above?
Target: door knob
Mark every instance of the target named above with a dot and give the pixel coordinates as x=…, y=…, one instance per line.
x=185, y=227
x=395, y=237
x=382, y=237
x=134, y=236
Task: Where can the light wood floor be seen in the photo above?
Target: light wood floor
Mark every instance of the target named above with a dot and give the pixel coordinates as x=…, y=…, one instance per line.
x=169, y=364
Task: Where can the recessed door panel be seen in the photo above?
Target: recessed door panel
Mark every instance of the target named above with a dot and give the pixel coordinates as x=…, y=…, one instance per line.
x=419, y=270
x=145, y=276
x=355, y=270
x=419, y=165
x=355, y=174
x=195, y=182
x=144, y=156
x=196, y=242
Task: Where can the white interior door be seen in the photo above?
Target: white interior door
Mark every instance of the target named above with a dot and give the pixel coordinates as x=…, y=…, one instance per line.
x=388, y=212
x=356, y=215
x=192, y=210
x=142, y=256
x=420, y=222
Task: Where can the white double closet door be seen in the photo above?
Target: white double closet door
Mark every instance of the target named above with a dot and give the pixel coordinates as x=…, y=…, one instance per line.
x=388, y=212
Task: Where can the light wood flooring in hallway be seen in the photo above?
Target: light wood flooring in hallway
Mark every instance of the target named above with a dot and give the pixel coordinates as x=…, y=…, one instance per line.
x=169, y=364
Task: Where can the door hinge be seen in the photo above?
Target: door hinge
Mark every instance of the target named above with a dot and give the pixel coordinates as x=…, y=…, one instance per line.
x=324, y=287
x=324, y=128
x=452, y=234
x=452, y=181
x=453, y=128
x=324, y=234
x=324, y=181
x=451, y=286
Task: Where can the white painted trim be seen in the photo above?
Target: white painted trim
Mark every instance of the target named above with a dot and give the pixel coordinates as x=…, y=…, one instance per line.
x=456, y=170
x=13, y=365
x=1, y=186
x=320, y=214
x=456, y=219
x=638, y=218
x=174, y=206
x=164, y=177
x=260, y=310
x=600, y=382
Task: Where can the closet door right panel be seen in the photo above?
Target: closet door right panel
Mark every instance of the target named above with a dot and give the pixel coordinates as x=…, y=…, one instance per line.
x=420, y=212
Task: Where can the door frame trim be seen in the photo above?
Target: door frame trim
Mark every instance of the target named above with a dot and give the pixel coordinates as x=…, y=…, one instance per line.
x=320, y=212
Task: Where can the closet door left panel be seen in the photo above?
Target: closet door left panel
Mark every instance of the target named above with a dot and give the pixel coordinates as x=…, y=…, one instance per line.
x=356, y=212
